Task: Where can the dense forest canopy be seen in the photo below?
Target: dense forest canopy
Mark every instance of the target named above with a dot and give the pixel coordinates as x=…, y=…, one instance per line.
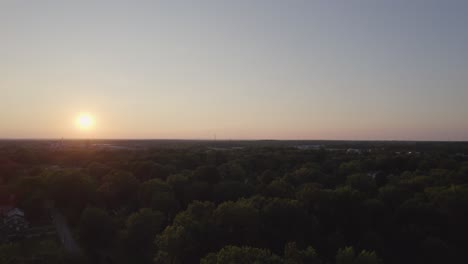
x=241, y=201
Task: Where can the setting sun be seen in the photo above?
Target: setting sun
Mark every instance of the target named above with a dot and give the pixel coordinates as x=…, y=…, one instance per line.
x=85, y=121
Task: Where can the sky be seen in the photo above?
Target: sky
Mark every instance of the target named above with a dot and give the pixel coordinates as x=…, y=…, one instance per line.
x=244, y=69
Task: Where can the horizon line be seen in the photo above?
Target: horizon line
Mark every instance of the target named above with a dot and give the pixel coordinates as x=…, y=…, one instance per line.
x=233, y=139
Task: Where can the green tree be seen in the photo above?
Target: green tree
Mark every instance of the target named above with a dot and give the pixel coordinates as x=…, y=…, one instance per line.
x=191, y=236
x=279, y=188
x=231, y=191
x=48, y=251
x=142, y=228
x=97, y=229
x=238, y=222
x=31, y=193
x=71, y=191
x=283, y=220
x=348, y=256
x=98, y=170
x=361, y=182
x=159, y=196
x=267, y=176
x=119, y=189
x=209, y=174
x=368, y=257
x=232, y=171
x=10, y=254
x=293, y=255
x=306, y=174
x=241, y=255
x=179, y=183
x=347, y=168
x=146, y=170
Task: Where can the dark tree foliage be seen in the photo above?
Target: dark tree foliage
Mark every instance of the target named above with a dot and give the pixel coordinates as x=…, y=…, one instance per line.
x=233, y=254
x=142, y=227
x=244, y=202
x=97, y=229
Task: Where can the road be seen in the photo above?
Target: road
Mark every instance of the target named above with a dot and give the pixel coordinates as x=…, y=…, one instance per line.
x=64, y=233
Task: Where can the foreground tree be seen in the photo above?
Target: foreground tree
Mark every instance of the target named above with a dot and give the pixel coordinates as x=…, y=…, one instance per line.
x=191, y=236
x=97, y=229
x=10, y=253
x=142, y=228
x=119, y=189
x=241, y=255
x=238, y=222
x=159, y=196
x=65, y=186
x=348, y=256
x=293, y=255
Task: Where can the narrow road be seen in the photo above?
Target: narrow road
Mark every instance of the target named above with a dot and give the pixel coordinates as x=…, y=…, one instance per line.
x=64, y=233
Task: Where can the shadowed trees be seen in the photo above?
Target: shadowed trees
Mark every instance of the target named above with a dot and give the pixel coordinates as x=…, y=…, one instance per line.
x=141, y=229
x=191, y=236
x=119, y=189
x=264, y=204
x=97, y=229
x=348, y=256
x=158, y=195
x=234, y=254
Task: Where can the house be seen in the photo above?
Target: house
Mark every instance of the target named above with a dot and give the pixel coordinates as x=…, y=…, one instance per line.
x=15, y=220
x=13, y=225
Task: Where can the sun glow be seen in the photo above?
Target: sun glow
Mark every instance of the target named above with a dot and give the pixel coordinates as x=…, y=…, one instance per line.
x=85, y=121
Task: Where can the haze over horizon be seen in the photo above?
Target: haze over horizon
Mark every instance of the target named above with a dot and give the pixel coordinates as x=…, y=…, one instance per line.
x=354, y=70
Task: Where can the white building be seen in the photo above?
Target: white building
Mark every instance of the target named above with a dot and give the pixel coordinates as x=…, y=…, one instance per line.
x=13, y=225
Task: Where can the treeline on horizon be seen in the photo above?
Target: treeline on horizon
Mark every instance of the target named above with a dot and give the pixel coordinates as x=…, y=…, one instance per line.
x=397, y=203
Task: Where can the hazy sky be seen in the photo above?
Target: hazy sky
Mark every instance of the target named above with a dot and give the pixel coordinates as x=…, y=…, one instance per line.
x=238, y=69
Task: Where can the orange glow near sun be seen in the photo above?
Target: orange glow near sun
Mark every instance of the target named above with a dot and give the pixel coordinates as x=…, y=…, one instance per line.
x=85, y=121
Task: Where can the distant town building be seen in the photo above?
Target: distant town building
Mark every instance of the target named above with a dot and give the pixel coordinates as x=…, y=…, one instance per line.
x=309, y=147
x=353, y=151
x=57, y=145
